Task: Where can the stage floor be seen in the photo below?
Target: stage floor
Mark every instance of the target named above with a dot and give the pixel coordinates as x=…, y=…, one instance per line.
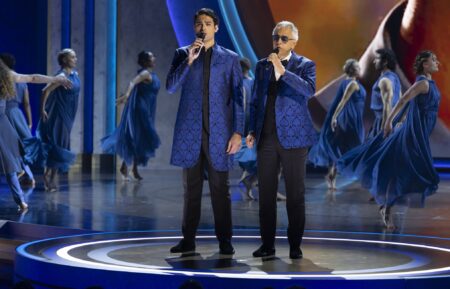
x=106, y=203
x=331, y=260
x=139, y=221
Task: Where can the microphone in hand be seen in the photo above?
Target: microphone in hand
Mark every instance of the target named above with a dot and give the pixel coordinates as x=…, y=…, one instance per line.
x=269, y=63
x=202, y=36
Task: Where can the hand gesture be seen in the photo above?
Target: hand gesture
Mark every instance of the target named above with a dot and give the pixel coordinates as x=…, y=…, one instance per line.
x=333, y=124
x=399, y=124
x=234, y=145
x=194, y=50
x=250, y=141
x=387, y=129
x=44, y=115
x=122, y=99
x=64, y=81
x=277, y=65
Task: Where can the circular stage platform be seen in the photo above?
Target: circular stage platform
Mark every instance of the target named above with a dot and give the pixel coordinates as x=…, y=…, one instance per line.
x=142, y=260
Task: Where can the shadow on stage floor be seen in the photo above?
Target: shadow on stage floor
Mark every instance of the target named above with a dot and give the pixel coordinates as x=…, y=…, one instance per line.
x=343, y=228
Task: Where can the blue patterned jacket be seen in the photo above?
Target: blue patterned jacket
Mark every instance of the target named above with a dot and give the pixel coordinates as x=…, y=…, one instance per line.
x=295, y=88
x=226, y=114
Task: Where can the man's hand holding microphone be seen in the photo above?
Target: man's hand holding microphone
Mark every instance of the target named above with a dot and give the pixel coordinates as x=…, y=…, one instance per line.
x=196, y=47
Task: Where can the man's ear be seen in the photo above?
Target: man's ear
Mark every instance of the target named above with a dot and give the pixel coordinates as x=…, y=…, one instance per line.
x=293, y=45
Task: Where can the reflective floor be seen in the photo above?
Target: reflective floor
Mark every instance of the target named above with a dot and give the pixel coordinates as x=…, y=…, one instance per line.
x=103, y=202
x=106, y=203
x=330, y=260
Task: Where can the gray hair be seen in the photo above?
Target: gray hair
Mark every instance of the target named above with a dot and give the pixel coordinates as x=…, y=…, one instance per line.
x=286, y=24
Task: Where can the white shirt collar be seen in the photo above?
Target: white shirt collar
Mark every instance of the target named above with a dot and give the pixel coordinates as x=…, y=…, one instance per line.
x=287, y=57
x=277, y=75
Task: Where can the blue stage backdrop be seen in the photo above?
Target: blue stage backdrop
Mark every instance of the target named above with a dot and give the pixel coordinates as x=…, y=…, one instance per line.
x=328, y=35
x=24, y=34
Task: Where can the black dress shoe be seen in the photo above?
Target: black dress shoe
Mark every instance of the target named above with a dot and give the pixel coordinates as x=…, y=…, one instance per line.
x=226, y=248
x=295, y=253
x=183, y=247
x=264, y=252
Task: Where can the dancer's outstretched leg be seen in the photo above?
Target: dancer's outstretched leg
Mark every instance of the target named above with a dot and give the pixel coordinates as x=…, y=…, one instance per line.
x=16, y=191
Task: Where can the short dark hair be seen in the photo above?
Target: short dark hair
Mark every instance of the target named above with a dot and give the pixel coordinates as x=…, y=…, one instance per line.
x=63, y=54
x=420, y=59
x=245, y=64
x=208, y=12
x=387, y=56
x=349, y=67
x=145, y=58
x=9, y=60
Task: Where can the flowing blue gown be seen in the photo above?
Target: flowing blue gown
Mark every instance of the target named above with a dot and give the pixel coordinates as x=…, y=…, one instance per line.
x=401, y=164
x=61, y=107
x=10, y=154
x=135, y=139
x=246, y=156
x=10, y=144
x=14, y=113
x=376, y=102
x=349, y=132
x=18, y=122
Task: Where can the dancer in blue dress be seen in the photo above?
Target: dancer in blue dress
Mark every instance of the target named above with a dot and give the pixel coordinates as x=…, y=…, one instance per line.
x=58, y=109
x=16, y=117
x=343, y=128
x=246, y=157
x=386, y=90
x=135, y=139
x=398, y=162
x=10, y=145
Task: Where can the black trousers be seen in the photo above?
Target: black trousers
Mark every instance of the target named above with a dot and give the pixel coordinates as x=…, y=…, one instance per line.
x=220, y=197
x=293, y=161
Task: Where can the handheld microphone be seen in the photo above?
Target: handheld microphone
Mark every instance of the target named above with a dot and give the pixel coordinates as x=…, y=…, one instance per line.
x=202, y=36
x=275, y=50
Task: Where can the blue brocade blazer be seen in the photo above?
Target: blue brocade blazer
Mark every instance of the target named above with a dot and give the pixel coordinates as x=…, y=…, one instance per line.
x=293, y=121
x=226, y=114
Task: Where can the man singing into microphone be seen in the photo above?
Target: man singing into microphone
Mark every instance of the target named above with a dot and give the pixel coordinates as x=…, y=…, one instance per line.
x=281, y=127
x=209, y=126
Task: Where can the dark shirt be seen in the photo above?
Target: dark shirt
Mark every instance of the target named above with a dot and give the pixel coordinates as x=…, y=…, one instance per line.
x=206, y=56
x=269, y=126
